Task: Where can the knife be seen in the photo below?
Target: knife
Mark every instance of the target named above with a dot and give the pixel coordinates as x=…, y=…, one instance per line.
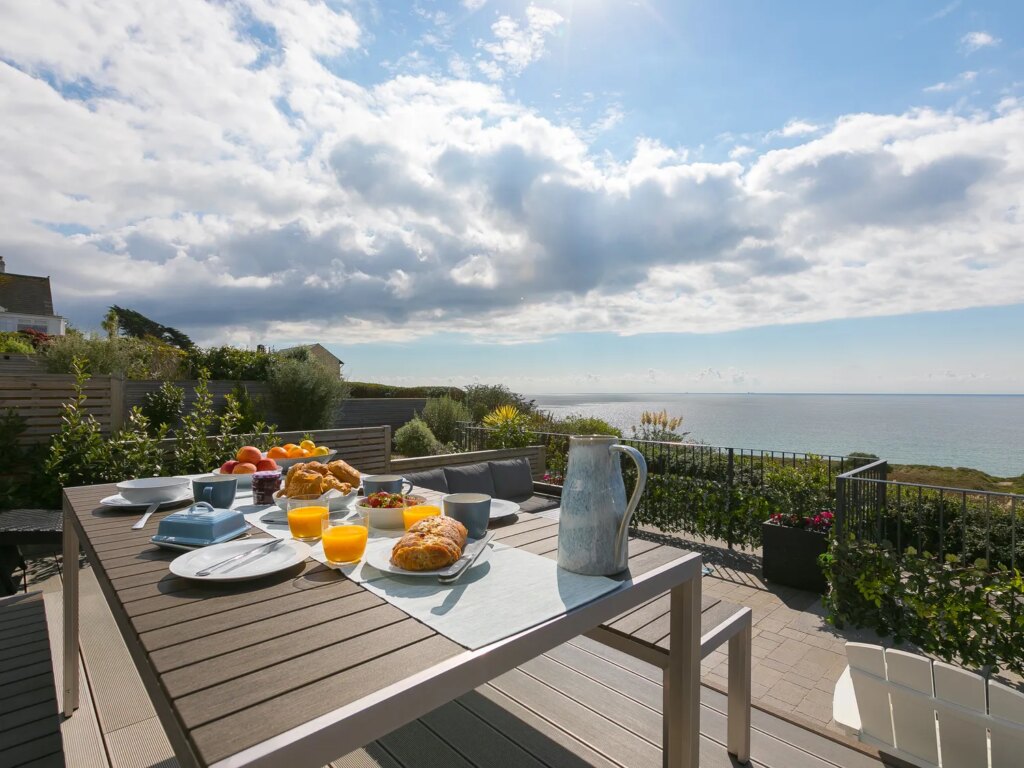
x=261, y=550
x=478, y=547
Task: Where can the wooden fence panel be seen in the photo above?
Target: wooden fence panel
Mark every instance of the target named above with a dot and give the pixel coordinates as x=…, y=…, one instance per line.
x=375, y=411
x=535, y=453
x=39, y=401
x=20, y=365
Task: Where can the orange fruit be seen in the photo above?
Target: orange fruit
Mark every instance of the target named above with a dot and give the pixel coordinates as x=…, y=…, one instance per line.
x=277, y=452
x=295, y=452
x=248, y=454
x=289, y=446
x=305, y=453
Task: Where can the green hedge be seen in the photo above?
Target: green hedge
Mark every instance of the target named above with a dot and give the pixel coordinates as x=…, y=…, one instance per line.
x=366, y=389
x=962, y=612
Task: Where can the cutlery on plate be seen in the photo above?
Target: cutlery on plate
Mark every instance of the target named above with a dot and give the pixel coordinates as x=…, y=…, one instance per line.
x=481, y=546
x=146, y=515
x=261, y=550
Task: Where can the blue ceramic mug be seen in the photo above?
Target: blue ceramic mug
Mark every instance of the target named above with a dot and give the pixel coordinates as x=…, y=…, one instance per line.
x=216, y=490
x=389, y=483
x=473, y=510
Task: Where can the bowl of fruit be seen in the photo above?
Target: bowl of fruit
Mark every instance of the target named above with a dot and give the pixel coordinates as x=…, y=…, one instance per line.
x=293, y=453
x=385, y=509
x=248, y=460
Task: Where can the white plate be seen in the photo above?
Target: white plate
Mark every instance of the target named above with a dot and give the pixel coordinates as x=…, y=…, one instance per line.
x=380, y=558
x=287, y=554
x=500, y=508
x=119, y=502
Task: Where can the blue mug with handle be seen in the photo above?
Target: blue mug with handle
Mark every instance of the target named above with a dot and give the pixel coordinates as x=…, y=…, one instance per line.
x=390, y=483
x=216, y=490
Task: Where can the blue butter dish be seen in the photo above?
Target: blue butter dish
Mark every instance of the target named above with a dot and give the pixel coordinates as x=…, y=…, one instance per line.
x=199, y=526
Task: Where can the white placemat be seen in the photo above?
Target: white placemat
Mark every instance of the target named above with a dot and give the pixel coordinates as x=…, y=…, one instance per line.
x=513, y=591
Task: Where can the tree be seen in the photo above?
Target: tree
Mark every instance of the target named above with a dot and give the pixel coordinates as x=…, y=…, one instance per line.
x=138, y=326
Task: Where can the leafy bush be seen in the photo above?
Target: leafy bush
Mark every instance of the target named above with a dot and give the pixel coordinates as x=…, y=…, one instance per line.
x=134, y=358
x=415, y=439
x=21, y=482
x=366, y=389
x=442, y=415
x=252, y=413
x=304, y=394
x=576, y=424
x=230, y=363
x=961, y=612
x=194, y=451
x=162, y=408
x=481, y=399
x=12, y=343
x=509, y=428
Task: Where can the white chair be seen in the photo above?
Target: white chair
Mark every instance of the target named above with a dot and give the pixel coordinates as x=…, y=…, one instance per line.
x=927, y=713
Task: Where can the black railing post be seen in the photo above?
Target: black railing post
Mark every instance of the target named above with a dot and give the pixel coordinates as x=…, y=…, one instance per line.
x=840, y=508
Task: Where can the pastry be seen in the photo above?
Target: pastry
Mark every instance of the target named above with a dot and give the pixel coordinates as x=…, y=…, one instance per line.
x=344, y=472
x=430, y=544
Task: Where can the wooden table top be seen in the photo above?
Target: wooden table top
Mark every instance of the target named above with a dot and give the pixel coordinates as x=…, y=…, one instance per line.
x=241, y=662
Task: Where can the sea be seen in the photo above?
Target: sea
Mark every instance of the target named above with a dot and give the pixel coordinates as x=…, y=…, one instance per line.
x=983, y=432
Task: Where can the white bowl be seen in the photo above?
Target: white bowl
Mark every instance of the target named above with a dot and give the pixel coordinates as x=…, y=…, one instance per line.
x=389, y=518
x=244, y=479
x=146, y=490
x=286, y=463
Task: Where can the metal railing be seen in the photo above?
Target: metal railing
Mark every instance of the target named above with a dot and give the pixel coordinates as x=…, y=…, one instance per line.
x=973, y=525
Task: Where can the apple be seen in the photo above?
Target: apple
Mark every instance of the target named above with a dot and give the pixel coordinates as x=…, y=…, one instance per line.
x=228, y=467
x=249, y=454
x=243, y=468
x=265, y=465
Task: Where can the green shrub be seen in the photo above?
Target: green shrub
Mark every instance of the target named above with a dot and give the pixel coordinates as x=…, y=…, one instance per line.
x=12, y=343
x=509, y=428
x=133, y=358
x=162, y=408
x=576, y=424
x=443, y=415
x=252, y=412
x=481, y=399
x=230, y=363
x=304, y=394
x=415, y=439
x=22, y=484
x=194, y=451
x=660, y=427
x=962, y=612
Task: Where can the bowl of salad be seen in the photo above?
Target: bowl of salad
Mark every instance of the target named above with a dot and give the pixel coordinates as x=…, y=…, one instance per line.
x=384, y=510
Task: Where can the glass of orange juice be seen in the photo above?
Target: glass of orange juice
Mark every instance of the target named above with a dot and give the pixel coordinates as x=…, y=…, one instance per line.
x=307, y=517
x=412, y=515
x=345, y=540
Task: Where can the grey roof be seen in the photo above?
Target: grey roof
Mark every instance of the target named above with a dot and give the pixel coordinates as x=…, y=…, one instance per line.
x=313, y=346
x=26, y=293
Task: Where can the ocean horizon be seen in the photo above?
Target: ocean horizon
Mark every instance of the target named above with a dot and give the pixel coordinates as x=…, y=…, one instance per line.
x=980, y=431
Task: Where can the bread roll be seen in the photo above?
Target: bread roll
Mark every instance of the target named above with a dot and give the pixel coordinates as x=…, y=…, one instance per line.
x=344, y=472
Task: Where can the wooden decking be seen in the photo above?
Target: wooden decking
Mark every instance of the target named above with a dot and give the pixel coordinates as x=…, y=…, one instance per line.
x=582, y=704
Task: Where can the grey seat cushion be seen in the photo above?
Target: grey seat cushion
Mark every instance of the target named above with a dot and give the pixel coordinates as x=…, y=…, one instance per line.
x=471, y=478
x=538, y=503
x=433, y=479
x=512, y=479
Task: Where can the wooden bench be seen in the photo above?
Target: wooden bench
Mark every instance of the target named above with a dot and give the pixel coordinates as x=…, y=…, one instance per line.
x=928, y=713
x=29, y=719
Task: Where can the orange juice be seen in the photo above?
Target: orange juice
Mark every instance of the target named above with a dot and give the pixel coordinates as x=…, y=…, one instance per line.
x=307, y=523
x=345, y=543
x=412, y=515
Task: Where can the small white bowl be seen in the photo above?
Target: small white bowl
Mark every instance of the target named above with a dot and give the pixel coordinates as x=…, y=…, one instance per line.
x=146, y=490
x=388, y=518
x=244, y=479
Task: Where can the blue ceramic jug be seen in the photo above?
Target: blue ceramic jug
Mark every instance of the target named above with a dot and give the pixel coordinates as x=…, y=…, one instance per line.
x=594, y=523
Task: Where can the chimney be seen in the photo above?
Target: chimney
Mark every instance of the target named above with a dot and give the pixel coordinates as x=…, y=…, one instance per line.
x=3, y=267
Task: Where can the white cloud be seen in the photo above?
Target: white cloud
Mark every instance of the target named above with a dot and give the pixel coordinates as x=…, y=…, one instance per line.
x=974, y=41
x=740, y=151
x=944, y=11
x=428, y=205
x=473, y=5
x=517, y=45
x=960, y=81
x=793, y=129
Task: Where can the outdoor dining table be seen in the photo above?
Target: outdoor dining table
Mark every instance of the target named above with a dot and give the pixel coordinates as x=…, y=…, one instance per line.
x=303, y=667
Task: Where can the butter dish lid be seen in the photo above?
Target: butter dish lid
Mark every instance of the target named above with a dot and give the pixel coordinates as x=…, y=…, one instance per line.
x=199, y=525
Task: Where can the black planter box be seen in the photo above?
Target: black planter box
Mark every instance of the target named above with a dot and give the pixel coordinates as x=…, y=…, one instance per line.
x=789, y=556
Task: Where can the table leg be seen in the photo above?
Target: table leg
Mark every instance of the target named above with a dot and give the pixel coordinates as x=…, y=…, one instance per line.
x=70, y=614
x=681, y=683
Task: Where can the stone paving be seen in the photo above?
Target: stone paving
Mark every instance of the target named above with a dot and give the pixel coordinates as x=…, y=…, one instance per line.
x=797, y=655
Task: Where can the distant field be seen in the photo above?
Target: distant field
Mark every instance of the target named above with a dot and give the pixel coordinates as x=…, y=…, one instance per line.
x=955, y=477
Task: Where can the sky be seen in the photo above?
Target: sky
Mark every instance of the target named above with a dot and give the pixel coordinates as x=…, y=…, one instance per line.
x=559, y=195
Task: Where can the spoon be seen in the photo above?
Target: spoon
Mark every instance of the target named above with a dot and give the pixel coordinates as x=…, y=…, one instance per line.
x=145, y=517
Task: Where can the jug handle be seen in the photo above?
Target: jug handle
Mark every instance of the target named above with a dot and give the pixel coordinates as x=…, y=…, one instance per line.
x=634, y=500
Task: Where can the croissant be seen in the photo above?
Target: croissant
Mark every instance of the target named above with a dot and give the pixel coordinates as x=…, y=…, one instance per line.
x=430, y=544
x=302, y=483
x=345, y=472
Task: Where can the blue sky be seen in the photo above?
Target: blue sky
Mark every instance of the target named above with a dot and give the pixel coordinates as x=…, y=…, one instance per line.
x=586, y=195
